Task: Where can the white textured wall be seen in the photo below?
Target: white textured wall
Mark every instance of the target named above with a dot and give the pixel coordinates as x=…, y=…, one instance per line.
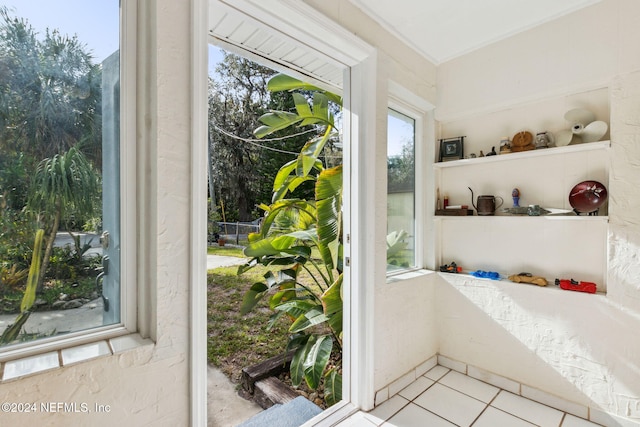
x=405, y=327
x=581, y=347
x=404, y=335
x=624, y=203
x=582, y=50
x=148, y=386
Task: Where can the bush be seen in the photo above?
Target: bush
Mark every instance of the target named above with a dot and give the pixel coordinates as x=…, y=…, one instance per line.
x=68, y=264
x=16, y=239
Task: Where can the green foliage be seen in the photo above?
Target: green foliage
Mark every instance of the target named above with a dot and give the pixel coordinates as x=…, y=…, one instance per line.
x=242, y=168
x=12, y=277
x=49, y=94
x=65, y=182
x=50, y=101
x=16, y=238
x=14, y=180
x=62, y=184
x=82, y=287
x=299, y=234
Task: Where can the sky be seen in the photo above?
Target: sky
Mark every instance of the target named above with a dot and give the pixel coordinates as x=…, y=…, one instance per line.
x=400, y=130
x=95, y=22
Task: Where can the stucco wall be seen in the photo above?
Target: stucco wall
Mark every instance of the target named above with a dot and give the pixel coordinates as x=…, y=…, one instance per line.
x=402, y=64
x=581, y=347
x=404, y=335
x=150, y=385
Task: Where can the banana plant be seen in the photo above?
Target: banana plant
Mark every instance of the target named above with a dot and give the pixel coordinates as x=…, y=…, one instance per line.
x=303, y=235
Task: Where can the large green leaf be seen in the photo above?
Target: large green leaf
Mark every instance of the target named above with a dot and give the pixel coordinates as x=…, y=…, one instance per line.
x=308, y=157
x=296, y=368
x=316, y=359
x=289, y=185
x=301, y=207
x=329, y=210
x=252, y=297
x=275, y=121
x=278, y=120
x=297, y=308
x=332, y=306
x=302, y=107
x=332, y=387
x=269, y=246
x=282, y=82
x=311, y=317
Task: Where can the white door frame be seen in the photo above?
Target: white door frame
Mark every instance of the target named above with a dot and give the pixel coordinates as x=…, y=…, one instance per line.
x=198, y=256
x=310, y=27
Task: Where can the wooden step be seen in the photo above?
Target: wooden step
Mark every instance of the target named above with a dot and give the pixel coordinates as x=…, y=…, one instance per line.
x=268, y=368
x=271, y=391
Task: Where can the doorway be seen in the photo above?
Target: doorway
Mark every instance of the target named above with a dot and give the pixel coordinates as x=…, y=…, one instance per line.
x=356, y=72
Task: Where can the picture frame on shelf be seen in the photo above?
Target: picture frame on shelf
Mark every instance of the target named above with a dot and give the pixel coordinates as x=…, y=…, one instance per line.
x=451, y=149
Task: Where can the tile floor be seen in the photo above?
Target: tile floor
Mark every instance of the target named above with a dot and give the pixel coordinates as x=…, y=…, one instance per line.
x=446, y=398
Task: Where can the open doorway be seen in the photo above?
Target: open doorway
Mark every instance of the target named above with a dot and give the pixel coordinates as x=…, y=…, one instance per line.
x=330, y=57
x=275, y=241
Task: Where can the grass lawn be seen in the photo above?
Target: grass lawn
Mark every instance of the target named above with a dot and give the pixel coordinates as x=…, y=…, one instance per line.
x=226, y=251
x=236, y=341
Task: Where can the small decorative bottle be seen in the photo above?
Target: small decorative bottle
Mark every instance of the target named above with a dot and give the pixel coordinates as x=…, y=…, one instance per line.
x=515, y=194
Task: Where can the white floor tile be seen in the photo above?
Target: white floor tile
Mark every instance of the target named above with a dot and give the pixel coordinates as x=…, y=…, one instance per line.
x=436, y=372
x=529, y=410
x=454, y=406
x=402, y=382
x=493, y=417
x=571, y=421
x=390, y=407
x=415, y=416
x=416, y=387
x=472, y=387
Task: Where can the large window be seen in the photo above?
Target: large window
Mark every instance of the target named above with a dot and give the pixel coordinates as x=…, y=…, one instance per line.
x=401, y=227
x=59, y=167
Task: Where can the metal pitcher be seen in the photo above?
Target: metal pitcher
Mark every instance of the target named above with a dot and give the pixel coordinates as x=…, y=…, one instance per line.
x=486, y=203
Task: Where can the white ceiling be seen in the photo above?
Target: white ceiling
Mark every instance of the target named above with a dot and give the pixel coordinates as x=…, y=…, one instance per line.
x=444, y=29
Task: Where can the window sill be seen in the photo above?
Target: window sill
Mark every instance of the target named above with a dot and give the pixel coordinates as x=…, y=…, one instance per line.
x=463, y=279
x=408, y=274
x=20, y=367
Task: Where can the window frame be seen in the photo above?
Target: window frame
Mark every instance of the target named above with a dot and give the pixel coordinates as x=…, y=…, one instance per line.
x=400, y=105
x=128, y=214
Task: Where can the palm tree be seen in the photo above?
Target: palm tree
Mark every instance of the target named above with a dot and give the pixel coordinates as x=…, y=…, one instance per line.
x=64, y=183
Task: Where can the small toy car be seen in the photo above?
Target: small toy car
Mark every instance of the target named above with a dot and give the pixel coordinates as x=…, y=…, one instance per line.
x=528, y=278
x=572, y=285
x=451, y=268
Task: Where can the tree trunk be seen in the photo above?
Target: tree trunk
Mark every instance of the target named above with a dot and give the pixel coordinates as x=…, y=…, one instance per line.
x=49, y=248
